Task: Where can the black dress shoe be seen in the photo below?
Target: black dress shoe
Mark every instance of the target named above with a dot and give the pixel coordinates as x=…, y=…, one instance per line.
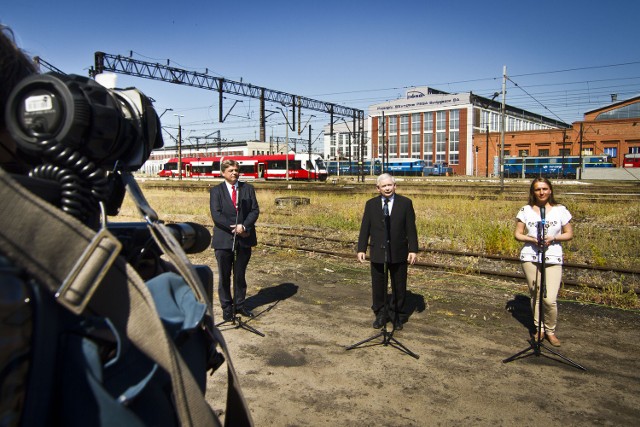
x=381, y=320
x=245, y=312
x=397, y=325
x=227, y=315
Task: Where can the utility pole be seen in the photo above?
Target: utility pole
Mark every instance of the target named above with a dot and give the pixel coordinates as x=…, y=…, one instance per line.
x=383, y=144
x=179, y=146
x=581, y=165
x=310, y=162
x=503, y=125
x=487, y=159
x=286, y=149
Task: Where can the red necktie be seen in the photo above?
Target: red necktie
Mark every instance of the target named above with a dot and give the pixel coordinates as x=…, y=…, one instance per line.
x=234, y=197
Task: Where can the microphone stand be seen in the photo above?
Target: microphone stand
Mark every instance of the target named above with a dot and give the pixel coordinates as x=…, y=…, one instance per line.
x=236, y=320
x=387, y=336
x=536, y=344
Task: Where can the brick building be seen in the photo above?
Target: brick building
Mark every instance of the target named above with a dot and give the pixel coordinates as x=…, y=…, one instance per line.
x=463, y=130
x=613, y=130
x=435, y=126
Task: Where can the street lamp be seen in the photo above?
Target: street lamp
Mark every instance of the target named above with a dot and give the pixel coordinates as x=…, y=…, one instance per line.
x=179, y=146
x=165, y=110
x=286, y=151
x=502, y=125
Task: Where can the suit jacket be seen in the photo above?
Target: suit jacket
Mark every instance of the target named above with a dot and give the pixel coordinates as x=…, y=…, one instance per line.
x=224, y=215
x=402, y=226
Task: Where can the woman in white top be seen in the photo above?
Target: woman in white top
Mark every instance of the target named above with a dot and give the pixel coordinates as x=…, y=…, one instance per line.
x=557, y=228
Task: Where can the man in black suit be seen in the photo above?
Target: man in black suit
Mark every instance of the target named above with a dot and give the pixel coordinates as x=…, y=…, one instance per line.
x=388, y=216
x=234, y=209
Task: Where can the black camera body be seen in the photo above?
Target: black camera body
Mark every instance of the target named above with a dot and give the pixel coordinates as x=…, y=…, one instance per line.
x=79, y=137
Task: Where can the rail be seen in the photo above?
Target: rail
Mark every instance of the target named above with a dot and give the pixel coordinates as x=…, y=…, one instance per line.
x=575, y=275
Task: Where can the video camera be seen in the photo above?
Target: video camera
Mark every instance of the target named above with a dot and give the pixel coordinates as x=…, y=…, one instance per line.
x=136, y=349
x=79, y=138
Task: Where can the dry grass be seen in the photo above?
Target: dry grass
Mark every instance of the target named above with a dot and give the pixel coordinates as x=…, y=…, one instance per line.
x=604, y=234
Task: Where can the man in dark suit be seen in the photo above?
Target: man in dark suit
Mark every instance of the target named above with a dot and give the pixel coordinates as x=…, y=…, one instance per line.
x=234, y=209
x=389, y=230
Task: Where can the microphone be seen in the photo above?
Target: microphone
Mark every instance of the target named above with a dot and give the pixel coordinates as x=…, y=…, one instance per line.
x=541, y=225
x=237, y=196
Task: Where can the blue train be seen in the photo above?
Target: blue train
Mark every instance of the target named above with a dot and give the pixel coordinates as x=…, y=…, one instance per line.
x=397, y=167
x=553, y=166
x=353, y=167
x=405, y=167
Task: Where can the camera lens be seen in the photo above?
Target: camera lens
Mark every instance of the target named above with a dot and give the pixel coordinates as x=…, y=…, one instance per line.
x=108, y=126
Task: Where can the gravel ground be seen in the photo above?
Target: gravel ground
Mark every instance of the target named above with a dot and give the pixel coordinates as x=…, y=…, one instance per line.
x=312, y=307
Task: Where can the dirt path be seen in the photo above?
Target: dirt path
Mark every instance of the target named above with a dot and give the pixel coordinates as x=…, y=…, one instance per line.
x=462, y=327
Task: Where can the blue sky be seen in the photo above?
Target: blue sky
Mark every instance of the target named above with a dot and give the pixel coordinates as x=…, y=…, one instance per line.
x=566, y=56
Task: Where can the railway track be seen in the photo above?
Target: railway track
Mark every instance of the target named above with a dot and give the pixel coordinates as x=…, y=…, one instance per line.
x=576, y=276
x=425, y=187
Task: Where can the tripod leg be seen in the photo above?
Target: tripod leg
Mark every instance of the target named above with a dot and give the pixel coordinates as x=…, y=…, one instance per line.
x=244, y=325
x=565, y=358
x=366, y=340
x=399, y=345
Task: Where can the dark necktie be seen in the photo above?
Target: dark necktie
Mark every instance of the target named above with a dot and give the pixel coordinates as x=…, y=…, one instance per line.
x=234, y=196
x=385, y=209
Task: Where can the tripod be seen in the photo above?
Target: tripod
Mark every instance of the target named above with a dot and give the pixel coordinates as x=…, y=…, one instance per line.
x=236, y=320
x=536, y=346
x=386, y=335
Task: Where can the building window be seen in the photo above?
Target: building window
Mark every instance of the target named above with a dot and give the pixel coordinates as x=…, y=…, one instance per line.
x=415, y=146
x=484, y=119
x=393, y=145
x=543, y=152
x=393, y=124
x=415, y=123
x=523, y=153
x=404, y=123
x=454, y=147
x=428, y=148
x=454, y=136
x=495, y=122
x=441, y=121
x=454, y=119
x=428, y=138
x=428, y=122
x=441, y=136
x=404, y=146
x=611, y=151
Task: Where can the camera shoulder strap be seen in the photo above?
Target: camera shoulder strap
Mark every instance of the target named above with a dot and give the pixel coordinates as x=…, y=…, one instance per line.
x=237, y=409
x=56, y=249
